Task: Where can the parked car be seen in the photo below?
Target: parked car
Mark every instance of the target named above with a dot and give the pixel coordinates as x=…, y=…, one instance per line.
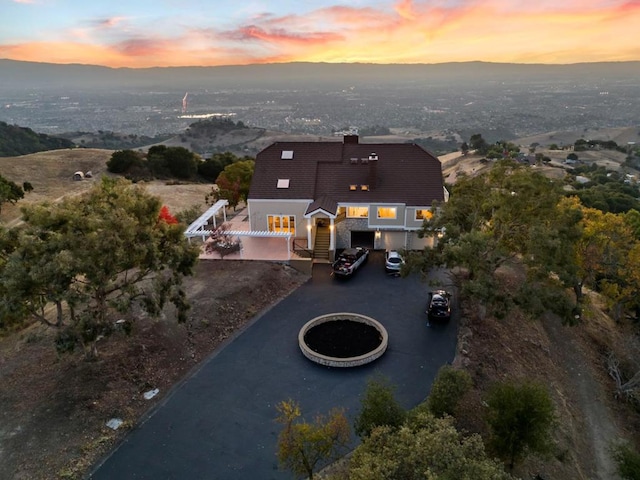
x=349, y=261
x=439, y=306
x=393, y=261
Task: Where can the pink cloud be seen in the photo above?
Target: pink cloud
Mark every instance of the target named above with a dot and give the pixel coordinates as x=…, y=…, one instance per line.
x=281, y=36
x=109, y=22
x=408, y=31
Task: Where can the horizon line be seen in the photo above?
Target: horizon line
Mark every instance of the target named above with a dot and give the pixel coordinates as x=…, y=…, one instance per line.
x=458, y=62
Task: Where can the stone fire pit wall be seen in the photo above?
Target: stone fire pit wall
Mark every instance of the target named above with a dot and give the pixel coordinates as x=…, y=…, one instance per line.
x=349, y=361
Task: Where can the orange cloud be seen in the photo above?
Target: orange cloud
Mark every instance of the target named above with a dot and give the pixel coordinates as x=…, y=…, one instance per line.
x=280, y=36
x=409, y=31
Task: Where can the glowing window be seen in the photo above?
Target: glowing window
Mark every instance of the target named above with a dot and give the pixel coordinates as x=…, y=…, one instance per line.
x=387, y=212
x=424, y=214
x=283, y=183
x=282, y=223
x=357, y=212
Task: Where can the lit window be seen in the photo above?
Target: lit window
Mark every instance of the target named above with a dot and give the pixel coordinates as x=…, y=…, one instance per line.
x=283, y=183
x=424, y=214
x=364, y=188
x=353, y=187
x=357, y=212
x=386, y=212
x=282, y=223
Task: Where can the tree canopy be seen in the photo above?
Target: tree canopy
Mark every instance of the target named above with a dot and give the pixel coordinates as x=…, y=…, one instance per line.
x=15, y=141
x=10, y=192
x=302, y=446
x=235, y=180
x=424, y=448
x=92, y=257
x=510, y=213
x=379, y=407
x=520, y=417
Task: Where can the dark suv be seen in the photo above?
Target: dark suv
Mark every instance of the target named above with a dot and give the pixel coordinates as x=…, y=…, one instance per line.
x=439, y=306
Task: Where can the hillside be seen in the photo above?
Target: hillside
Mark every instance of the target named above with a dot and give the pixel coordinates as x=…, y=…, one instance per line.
x=223, y=135
x=292, y=75
x=38, y=437
x=622, y=136
x=51, y=174
x=15, y=140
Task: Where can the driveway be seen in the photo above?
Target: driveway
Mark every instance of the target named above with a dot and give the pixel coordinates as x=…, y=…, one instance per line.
x=219, y=423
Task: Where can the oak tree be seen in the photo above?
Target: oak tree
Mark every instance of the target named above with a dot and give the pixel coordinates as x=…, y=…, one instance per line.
x=95, y=256
x=424, y=448
x=302, y=446
x=520, y=416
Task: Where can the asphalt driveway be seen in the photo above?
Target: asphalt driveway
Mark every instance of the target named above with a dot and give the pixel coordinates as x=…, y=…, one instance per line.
x=219, y=424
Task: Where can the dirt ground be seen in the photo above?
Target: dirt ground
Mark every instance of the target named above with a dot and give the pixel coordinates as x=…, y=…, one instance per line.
x=54, y=409
x=571, y=361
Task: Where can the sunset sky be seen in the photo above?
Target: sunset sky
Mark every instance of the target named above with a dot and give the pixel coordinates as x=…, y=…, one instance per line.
x=146, y=33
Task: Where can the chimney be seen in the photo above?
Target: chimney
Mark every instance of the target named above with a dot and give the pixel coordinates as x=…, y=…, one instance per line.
x=350, y=139
x=373, y=171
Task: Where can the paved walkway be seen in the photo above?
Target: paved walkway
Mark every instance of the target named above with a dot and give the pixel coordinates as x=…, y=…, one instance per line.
x=219, y=424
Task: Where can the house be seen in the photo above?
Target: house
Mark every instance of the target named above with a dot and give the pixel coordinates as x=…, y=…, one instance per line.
x=334, y=195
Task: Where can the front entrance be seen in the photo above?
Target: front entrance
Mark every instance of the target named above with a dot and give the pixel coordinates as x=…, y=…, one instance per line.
x=363, y=239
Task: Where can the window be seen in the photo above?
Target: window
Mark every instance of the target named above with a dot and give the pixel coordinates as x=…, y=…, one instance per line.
x=353, y=187
x=283, y=183
x=282, y=223
x=424, y=214
x=287, y=155
x=357, y=212
x=364, y=188
x=386, y=212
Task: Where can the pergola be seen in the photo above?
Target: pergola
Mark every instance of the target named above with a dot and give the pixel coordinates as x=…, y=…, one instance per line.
x=263, y=234
x=202, y=227
x=199, y=228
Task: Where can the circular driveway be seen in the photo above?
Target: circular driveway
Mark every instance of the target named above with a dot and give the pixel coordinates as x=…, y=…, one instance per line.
x=220, y=422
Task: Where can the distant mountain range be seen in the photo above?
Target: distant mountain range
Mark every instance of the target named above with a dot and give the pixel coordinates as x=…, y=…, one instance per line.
x=18, y=74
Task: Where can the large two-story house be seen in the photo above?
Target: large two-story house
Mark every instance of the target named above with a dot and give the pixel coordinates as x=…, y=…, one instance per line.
x=333, y=195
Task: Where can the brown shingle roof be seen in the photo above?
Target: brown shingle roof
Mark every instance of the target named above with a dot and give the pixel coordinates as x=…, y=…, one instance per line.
x=405, y=173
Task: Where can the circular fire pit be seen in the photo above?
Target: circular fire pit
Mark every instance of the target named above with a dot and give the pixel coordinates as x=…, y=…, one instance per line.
x=343, y=339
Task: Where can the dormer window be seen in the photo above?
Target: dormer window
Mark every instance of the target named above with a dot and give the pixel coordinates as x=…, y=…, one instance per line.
x=287, y=155
x=283, y=183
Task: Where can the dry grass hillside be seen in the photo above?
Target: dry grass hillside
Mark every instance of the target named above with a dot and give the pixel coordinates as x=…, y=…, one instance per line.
x=53, y=409
x=51, y=175
x=622, y=136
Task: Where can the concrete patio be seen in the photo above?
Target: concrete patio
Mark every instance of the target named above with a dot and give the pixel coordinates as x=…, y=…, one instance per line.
x=254, y=248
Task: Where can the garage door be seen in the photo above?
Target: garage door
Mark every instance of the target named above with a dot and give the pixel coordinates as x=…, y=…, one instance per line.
x=362, y=239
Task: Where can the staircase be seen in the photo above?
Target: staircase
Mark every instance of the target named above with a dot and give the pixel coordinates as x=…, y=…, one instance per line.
x=321, y=246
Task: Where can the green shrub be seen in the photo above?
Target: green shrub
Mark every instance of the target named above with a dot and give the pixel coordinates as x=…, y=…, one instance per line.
x=379, y=407
x=627, y=461
x=520, y=417
x=448, y=388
